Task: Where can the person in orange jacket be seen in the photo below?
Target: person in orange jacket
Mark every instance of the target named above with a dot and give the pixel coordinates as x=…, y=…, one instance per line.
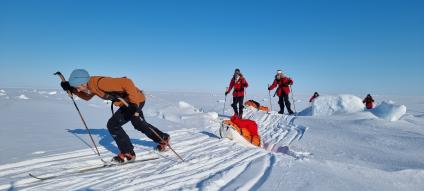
x=283, y=91
x=85, y=86
x=239, y=83
x=369, y=102
x=313, y=97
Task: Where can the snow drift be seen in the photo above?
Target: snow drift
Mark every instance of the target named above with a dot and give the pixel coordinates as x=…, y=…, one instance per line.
x=184, y=111
x=389, y=111
x=331, y=105
x=22, y=96
x=2, y=92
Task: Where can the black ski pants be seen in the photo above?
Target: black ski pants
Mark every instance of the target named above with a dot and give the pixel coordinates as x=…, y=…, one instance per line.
x=238, y=101
x=120, y=117
x=284, y=99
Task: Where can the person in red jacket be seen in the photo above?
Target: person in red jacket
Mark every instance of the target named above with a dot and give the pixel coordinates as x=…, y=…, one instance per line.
x=313, y=97
x=283, y=91
x=369, y=102
x=239, y=83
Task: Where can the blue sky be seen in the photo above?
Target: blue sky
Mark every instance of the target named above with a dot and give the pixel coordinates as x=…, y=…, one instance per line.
x=330, y=46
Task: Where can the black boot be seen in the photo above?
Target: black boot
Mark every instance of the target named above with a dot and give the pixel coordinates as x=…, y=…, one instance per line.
x=290, y=111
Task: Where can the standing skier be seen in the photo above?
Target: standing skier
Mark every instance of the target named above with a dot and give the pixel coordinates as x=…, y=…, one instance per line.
x=313, y=97
x=369, y=102
x=239, y=83
x=283, y=91
x=85, y=86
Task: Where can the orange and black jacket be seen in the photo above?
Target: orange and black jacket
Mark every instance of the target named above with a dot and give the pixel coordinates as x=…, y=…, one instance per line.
x=109, y=88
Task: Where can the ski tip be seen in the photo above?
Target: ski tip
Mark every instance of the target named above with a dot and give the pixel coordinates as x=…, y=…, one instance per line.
x=33, y=176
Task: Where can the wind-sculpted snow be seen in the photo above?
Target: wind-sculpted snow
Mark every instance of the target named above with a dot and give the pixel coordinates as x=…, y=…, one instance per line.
x=216, y=163
x=389, y=111
x=210, y=163
x=184, y=112
x=347, y=104
x=278, y=131
x=351, y=151
x=22, y=96
x=330, y=105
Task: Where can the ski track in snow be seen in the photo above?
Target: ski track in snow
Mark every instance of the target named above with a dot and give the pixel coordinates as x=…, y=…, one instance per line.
x=277, y=131
x=210, y=163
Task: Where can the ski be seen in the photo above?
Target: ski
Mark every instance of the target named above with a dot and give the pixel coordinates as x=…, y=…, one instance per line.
x=80, y=171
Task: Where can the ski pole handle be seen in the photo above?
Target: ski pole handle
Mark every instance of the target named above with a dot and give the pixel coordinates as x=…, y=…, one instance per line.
x=62, y=78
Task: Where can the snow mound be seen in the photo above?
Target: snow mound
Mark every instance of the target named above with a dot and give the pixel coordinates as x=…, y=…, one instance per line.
x=212, y=115
x=2, y=92
x=389, y=111
x=52, y=93
x=185, y=105
x=331, y=105
x=22, y=96
x=38, y=152
x=185, y=111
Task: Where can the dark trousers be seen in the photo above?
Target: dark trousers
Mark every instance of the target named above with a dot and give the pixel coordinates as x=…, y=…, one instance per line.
x=284, y=99
x=239, y=101
x=120, y=117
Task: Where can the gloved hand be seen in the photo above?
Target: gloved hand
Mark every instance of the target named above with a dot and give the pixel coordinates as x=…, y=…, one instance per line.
x=65, y=85
x=226, y=93
x=131, y=109
x=269, y=88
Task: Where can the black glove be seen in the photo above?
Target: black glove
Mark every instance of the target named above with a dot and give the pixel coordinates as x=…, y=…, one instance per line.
x=131, y=109
x=269, y=89
x=226, y=93
x=65, y=85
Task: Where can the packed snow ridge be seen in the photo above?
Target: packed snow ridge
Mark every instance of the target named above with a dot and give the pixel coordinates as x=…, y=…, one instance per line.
x=345, y=104
x=388, y=110
x=330, y=105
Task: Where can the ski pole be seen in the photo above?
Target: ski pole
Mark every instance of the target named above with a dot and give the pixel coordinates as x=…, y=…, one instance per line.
x=154, y=132
x=79, y=112
x=292, y=95
x=225, y=101
x=270, y=101
x=245, y=92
